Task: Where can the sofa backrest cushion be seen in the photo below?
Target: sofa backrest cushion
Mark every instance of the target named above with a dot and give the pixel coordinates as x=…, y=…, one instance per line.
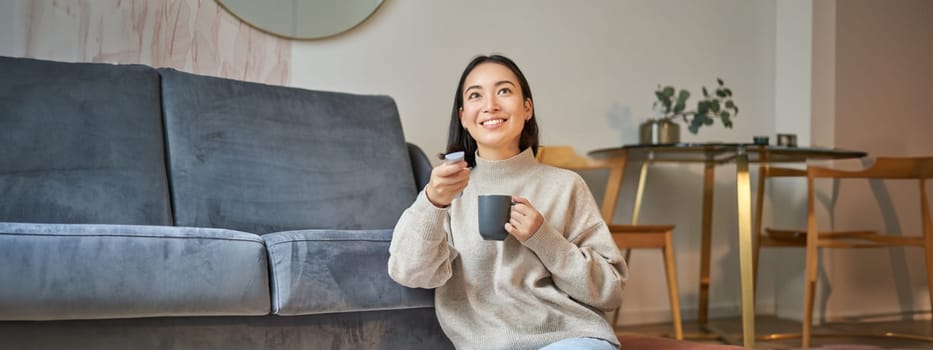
x=261, y=158
x=81, y=143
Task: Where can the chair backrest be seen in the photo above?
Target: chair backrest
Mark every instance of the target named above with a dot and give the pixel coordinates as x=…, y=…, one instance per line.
x=919, y=168
x=567, y=158
x=884, y=168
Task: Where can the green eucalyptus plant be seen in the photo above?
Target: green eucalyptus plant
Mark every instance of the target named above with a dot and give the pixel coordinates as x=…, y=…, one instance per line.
x=673, y=105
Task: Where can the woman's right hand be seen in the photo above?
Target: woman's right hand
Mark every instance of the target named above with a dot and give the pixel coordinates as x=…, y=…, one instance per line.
x=447, y=180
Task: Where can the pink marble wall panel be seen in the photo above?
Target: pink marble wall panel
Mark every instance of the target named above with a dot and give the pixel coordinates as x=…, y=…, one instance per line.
x=196, y=36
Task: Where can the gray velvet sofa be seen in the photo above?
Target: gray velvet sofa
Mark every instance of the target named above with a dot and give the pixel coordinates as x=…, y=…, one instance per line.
x=146, y=208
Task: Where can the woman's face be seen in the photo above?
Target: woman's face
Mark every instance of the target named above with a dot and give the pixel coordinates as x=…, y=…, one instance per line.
x=494, y=110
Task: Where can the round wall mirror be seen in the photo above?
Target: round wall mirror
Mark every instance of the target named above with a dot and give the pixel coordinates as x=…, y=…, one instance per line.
x=302, y=19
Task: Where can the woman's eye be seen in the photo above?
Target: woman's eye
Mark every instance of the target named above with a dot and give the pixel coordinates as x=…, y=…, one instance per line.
x=473, y=95
x=504, y=91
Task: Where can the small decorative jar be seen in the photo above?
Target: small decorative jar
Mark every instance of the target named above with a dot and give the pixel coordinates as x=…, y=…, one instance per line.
x=658, y=131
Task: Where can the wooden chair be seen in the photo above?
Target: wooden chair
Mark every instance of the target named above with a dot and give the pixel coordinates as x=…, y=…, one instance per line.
x=627, y=237
x=771, y=237
x=884, y=168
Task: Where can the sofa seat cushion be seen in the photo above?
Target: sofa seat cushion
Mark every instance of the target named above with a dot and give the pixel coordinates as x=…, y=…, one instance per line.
x=330, y=271
x=75, y=271
x=81, y=143
x=261, y=158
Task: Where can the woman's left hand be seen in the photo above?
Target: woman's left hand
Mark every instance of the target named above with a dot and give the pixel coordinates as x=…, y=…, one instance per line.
x=525, y=219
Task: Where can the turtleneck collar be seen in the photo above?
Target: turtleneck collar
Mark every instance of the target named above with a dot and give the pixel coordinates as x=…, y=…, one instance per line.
x=517, y=165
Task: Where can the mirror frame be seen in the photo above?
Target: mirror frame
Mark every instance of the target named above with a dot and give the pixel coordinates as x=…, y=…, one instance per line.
x=241, y=18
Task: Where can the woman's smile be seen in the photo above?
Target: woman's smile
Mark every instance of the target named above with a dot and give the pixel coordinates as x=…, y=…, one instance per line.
x=493, y=123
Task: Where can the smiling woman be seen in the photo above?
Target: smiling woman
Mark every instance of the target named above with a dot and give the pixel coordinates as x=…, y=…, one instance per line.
x=544, y=284
x=302, y=19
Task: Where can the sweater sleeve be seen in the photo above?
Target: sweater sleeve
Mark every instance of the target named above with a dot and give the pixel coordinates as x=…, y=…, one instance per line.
x=419, y=254
x=584, y=261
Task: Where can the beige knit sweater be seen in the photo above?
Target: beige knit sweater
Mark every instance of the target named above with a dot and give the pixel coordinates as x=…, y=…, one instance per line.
x=510, y=294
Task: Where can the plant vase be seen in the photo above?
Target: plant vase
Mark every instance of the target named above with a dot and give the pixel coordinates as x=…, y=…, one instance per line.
x=658, y=131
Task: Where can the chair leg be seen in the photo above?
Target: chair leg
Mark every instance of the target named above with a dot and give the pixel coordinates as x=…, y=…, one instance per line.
x=812, y=258
x=808, y=294
x=928, y=254
x=672, y=285
x=927, y=225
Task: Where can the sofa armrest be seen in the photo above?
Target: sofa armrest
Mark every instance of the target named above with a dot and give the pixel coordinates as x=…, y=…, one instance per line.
x=420, y=166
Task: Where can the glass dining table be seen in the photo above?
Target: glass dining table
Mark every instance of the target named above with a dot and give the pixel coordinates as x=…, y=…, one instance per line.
x=712, y=155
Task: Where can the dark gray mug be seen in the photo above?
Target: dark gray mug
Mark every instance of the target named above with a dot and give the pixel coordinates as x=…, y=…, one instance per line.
x=494, y=211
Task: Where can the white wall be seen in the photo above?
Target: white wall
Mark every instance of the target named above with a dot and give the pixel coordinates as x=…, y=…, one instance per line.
x=793, y=56
x=11, y=29
x=593, y=68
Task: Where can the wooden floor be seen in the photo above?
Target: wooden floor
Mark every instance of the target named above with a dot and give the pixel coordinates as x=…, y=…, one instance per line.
x=830, y=335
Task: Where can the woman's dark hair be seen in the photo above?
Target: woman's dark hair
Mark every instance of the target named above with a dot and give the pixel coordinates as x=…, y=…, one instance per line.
x=459, y=139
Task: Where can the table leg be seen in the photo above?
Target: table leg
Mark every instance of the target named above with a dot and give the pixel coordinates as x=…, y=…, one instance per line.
x=639, y=191
x=709, y=175
x=744, y=202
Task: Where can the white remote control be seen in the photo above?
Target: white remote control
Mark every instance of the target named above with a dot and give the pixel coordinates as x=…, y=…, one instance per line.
x=453, y=157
